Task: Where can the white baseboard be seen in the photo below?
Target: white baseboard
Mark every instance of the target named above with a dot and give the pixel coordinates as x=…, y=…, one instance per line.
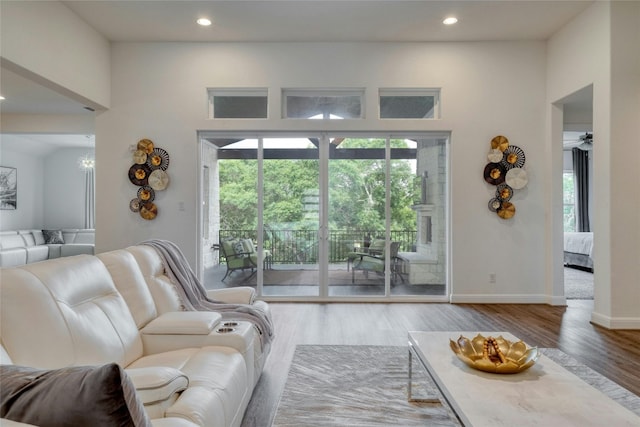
x=615, y=322
x=556, y=300
x=500, y=299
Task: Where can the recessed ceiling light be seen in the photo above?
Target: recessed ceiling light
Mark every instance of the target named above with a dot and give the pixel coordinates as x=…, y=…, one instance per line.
x=1, y=97
x=450, y=20
x=204, y=22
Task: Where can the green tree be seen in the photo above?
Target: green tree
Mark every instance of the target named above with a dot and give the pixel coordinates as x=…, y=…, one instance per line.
x=356, y=191
x=238, y=194
x=285, y=184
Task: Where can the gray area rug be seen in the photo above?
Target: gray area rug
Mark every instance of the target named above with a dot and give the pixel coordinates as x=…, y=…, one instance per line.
x=356, y=386
x=578, y=284
x=367, y=386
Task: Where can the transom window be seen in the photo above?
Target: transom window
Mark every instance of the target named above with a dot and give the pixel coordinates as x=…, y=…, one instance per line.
x=322, y=104
x=238, y=103
x=409, y=103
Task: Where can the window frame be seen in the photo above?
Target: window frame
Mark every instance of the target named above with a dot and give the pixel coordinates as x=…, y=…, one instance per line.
x=574, y=204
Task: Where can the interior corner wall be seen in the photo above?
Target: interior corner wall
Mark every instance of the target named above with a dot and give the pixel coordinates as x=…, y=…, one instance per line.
x=159, y=91
x=577, y=59
x=625, y=160
x=29, y=212
x=64, y=189
x=606, y=56
x=57, y=49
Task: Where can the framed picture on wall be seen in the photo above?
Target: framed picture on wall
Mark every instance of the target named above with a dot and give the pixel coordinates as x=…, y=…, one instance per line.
x=8, y=188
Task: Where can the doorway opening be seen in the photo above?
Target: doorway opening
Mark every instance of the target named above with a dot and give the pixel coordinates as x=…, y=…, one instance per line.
x=578, y=201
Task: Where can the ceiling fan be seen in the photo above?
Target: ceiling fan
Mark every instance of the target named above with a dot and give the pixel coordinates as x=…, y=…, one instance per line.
x=582, y=142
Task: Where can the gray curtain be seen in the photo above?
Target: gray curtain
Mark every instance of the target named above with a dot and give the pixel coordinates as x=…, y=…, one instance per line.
x=581, y=173
x=89, y=199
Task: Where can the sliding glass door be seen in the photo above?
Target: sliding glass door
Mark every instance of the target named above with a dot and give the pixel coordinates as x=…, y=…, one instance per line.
x=356, y=216
x=291, y=215
x=328, y=216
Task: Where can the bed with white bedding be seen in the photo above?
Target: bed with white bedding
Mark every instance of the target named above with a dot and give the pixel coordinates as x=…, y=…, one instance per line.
x=578, y=250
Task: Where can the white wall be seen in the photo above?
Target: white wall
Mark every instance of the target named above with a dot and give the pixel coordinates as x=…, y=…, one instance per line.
x=47, y=42
x=29, y=211
x=624, y=224
x=601, y=47
x=64, y=189
x=159, y=92
x=50, y=190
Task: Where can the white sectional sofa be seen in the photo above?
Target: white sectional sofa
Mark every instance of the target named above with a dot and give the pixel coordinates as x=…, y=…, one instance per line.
x=189, y=368
x=21, y=247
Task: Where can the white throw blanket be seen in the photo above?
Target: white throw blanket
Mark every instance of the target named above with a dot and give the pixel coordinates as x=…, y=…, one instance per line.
x=194, y=296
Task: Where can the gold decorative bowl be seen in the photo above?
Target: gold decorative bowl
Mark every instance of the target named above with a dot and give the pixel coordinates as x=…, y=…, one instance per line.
x=496, y=355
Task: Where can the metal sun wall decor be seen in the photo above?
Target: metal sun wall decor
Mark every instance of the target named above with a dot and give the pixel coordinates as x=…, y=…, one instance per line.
x=505, y=171
x=149, y=173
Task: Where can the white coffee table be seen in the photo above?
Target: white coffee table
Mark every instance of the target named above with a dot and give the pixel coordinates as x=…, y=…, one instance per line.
x=544, y=395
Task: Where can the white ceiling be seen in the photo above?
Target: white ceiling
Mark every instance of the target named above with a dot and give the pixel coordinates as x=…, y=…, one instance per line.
x=293, y=21
x=327, y=21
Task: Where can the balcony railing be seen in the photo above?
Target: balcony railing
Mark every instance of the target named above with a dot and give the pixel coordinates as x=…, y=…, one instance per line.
x=301, y=246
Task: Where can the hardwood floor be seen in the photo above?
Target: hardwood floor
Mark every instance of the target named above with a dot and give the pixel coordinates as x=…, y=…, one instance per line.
x=615, y=354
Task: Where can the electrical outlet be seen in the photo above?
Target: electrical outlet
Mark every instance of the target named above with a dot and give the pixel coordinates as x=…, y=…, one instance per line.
x=492, y=277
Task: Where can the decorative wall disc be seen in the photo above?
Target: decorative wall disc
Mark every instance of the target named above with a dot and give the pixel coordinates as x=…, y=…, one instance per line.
x=516, y=178
x=507, y=210
x=500, y=142
x=146, y=194
x=134, y=205
x=494, y=173
x=148, y=210
x=139, y=174
x=494, y=205
x=513, y=157
x=158, y=180
x=140, y=157
x=495, y=155
x=158, y=159
x=148, y=173
x=506, y=173
x=504, y=192
x=145, y=145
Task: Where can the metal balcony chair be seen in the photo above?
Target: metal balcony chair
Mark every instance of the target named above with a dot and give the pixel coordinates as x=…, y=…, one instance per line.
x=241, y=254
x=375, y=262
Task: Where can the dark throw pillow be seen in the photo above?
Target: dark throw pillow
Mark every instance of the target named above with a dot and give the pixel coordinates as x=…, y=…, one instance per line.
x=238, y=249
x=53, y=237
x=97, y=396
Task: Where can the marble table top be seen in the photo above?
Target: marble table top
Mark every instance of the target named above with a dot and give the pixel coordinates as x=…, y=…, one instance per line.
x=544, y=395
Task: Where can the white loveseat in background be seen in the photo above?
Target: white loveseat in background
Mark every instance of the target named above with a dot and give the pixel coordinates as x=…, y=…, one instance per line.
x=189, y=368
x=21, y=247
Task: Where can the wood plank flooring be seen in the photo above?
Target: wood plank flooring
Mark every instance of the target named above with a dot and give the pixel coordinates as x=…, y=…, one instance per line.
x=614, y=354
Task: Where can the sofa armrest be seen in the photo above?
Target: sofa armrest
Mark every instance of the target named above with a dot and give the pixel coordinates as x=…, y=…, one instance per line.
x=240, y=295
x=183, y=323
x=13, y=257
x=157, y=384
x=172, y=422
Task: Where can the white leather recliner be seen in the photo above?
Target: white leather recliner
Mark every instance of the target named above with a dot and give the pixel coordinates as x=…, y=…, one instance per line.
x=188, y=368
